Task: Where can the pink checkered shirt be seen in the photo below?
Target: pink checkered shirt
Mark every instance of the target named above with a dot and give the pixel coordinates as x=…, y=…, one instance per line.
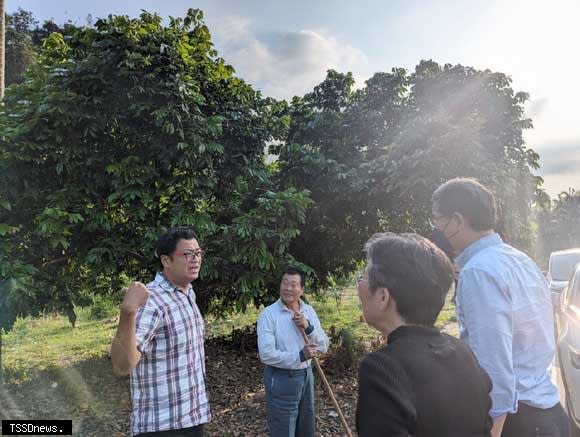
x=168, y=384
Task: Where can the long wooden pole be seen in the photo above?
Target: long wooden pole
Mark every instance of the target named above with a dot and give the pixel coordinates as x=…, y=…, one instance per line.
x=328, y=389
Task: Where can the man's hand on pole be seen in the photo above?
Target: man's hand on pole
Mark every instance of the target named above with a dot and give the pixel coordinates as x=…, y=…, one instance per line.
x=310, y=351
x=300, y=320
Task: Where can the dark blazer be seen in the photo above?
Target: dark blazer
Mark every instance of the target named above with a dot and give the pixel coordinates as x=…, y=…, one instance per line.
x=423, y=383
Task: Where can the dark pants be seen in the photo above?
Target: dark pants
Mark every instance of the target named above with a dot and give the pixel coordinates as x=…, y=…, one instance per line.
x=535, y=422
x=290, y=402
x=194, y=431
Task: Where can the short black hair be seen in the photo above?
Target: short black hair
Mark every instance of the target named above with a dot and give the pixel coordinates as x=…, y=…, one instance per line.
x=469, y=198
x=417, y=274
x=296, y=271
x=169, y=239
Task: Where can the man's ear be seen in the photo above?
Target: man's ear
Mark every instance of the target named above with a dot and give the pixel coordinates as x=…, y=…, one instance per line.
x=461, y=223
x=165, y=259
x=384, y=297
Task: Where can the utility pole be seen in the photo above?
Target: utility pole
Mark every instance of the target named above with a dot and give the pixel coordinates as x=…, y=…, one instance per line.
x=2, y=83
x=2, y=48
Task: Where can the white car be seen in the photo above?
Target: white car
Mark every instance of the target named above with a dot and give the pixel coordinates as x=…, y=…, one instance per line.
x=560, y=269
x=568, y=347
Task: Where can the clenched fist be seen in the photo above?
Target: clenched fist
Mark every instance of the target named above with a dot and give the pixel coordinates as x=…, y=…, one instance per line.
x=135, y=297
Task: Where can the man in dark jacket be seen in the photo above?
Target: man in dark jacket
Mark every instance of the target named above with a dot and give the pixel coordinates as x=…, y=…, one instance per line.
x=423, y=382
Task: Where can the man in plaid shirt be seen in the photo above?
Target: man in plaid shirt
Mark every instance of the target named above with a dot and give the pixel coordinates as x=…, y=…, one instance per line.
x=159, y=343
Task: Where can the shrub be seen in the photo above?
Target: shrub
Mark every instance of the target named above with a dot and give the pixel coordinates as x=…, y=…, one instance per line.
x=346, y=350
x=102, y=308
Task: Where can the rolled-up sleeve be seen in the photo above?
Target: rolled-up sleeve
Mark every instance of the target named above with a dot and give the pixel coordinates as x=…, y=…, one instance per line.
x=269, y=354
x=317, y=336
x=485, y=314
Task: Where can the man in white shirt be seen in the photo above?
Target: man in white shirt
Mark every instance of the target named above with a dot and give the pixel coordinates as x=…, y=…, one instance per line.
x=504, y=312
x=288, y=375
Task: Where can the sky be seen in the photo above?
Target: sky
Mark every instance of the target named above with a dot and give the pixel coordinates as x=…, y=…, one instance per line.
x=285, y=47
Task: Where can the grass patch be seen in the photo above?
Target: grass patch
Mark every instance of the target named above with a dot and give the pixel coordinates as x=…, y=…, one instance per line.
x=344, y=313
x=220, y=327
x=341, y=313
x=35, y=345
x=447, y=314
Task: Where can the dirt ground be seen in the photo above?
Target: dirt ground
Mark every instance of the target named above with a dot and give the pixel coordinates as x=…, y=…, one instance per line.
x=98, y=403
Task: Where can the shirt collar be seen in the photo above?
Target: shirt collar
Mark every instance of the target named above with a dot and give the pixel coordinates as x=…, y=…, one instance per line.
x=412, y=331
x=164, y=283
x=283, y=307
x=477, y=246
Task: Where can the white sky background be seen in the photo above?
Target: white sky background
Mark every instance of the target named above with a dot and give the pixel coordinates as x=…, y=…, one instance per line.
x=285, y=47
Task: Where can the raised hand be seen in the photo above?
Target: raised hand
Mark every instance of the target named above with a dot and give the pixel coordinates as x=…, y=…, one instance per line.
x=135, y=297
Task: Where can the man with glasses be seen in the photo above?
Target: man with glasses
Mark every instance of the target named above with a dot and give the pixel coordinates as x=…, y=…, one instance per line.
x=160, y=343
x=504, y=312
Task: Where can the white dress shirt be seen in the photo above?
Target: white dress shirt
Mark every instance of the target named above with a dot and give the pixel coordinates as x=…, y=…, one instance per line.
x=505, y=316
x=280, y=340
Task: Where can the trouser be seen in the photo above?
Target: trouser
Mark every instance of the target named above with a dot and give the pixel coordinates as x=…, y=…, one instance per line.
x=290, y=402
x=194, y=431
x=535, y=422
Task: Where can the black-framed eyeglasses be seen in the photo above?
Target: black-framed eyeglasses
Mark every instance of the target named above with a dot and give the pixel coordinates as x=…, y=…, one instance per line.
x=191, y=255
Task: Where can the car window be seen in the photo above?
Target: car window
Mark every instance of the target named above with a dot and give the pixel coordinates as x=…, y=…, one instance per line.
x=562, y=265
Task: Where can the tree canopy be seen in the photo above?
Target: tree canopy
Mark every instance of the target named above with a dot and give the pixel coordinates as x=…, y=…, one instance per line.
x=372, y=157
x=127, y=127
x=24, y=39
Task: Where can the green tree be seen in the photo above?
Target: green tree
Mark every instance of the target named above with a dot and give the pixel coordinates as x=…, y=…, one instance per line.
x=127, y=128
x=335, y=133
x=24, y=39
x=20, y=50
x=373, y=157
x=40, y=33
x=464, y=122
x=559, y=226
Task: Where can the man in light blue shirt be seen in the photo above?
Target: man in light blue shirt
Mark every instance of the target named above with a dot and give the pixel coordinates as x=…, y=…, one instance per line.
x=504, y=312
x=288, y=376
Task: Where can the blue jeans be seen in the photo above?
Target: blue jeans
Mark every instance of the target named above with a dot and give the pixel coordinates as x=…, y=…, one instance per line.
x=290, y=402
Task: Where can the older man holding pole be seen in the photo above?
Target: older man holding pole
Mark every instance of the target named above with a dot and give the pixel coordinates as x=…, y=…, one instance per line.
x=282, y=330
